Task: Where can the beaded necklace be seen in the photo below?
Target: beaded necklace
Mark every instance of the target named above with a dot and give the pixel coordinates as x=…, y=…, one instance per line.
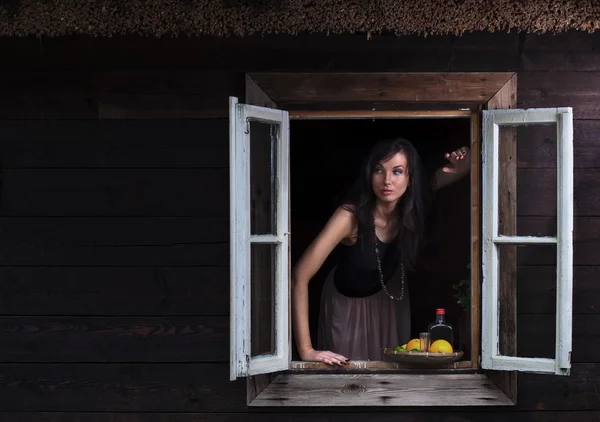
x=380, y=270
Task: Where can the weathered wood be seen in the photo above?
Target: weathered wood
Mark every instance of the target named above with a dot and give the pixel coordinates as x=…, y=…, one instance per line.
x=563, y=60
x=381, y=390
x=256, y=96
x=359, y=415
x=561, y=89
x=118, y=94
x=475, y=317
x=114, y=291
x=114, y=241
x=106, y=387
x=305, y=51
x=506, y=98
x=256, y=384
x=570, y=40
x=286, y=88
x=372, y=366
x=45, y=94
x=539, y=282
x=586, y=241
x=537, y=190
x=577, y=391
x=570, y=51
x=163, y=94
x=485, y=52
x=369, y=114
x=536, y=146
x=114, y=339
x=115, y=192
x=161, y=106
x=536, y=337
x=114, y=144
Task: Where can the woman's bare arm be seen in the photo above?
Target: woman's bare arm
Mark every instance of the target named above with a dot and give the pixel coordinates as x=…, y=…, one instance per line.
x=341, y=225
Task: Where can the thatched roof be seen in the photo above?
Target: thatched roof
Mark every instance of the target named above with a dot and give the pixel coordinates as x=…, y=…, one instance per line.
x=246, y=17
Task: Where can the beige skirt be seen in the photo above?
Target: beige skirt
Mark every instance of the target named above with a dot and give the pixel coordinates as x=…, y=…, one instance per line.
x=359, y=328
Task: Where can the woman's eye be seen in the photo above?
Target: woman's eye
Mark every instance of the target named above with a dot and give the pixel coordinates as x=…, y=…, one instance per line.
x=397, y=172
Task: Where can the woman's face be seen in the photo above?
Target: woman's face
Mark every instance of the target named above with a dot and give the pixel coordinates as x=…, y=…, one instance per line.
x=390, y=178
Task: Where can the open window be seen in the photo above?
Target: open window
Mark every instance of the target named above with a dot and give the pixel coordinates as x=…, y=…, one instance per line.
x=502, y=236
x=261, y=341
x=259, y=159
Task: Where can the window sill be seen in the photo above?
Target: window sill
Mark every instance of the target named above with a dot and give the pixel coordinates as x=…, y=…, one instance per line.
x=326, y=390
x=378, y=365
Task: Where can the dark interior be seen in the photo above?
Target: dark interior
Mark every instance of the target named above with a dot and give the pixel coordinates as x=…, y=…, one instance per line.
x=326, y=156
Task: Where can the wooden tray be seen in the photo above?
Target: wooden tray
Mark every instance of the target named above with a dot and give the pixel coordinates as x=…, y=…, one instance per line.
x=423, y=358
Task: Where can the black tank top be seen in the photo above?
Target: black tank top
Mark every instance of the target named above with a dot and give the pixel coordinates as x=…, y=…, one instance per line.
x=356, y=274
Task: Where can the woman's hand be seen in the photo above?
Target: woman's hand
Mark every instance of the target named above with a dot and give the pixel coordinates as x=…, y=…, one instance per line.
x=459, y=166
x=325, y=356
x=459, y=161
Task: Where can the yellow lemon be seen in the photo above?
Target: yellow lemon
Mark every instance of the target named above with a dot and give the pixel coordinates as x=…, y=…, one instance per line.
x=413, y=344
x=441, y=346
x=403, y=346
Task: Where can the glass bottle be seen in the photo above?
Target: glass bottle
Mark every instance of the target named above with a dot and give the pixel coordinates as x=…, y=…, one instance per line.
x=440, y=329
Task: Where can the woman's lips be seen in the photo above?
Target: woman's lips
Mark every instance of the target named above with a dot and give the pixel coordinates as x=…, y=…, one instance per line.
x=386, y=192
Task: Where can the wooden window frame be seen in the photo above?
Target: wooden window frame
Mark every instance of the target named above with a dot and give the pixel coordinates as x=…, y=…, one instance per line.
x=242, y=240
x=495, y=122
x=347, y=93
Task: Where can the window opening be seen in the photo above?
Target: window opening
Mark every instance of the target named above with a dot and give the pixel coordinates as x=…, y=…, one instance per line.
x=326, y=157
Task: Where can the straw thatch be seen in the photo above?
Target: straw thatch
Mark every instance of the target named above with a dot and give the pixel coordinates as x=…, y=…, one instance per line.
x=245, y=17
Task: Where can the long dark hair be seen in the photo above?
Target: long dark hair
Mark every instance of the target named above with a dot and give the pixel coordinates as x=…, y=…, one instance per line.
x=410, y=208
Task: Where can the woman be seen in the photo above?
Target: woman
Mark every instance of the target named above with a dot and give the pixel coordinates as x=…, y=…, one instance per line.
x=364, y=303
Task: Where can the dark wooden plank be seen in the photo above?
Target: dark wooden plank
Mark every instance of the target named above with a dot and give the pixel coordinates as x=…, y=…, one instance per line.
x=114, y=143
x=536, y=192
x=115, y=192
x=167, y=241
x=359, y=415
x=536, y=337
x=586, y=241
x=114, y=339
x=539, y=282
x=166, y=82
x=109, y=387
x=570, y=40
x=114, y=291
x=310, y=52
x=569, y=51
x=561, y=89
x=350, y=87
x=118, y=94
x=45, y=94
x=536, y=145
x=165, y=93
x=548, y=392
x=326, y=415
x=345, y=390
x=257, y=52
x=486, y=52
x=564, y=60
x=163, y=106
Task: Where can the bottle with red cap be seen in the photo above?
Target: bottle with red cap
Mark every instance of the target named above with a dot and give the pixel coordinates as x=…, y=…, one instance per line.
x=440, y=329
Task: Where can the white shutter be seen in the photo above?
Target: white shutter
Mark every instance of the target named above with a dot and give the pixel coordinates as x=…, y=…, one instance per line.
x=241, y=362
x=492, y=121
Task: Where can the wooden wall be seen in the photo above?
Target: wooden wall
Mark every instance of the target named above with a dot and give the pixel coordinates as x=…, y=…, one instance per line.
x=114, y=276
